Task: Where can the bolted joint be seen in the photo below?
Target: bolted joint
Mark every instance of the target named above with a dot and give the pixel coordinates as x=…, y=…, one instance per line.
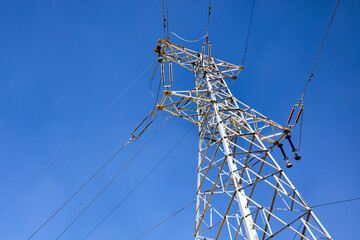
x=167, y=92
x=159, y=107
x=157, y=49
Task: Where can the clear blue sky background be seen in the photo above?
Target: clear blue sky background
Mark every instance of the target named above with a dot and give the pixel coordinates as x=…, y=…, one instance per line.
x=63, y=62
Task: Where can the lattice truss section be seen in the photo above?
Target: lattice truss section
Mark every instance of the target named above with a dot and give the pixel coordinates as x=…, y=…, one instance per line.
x=242, y=192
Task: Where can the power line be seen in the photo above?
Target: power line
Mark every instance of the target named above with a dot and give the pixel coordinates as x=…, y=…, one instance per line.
x=82, y=186
x=295, y=235
x=167, y=20
x=137, y=185
x=248, y=33
x=111, y=181
x=77, y=191
x=157, y=94
x=330, y=203
x=337, y=202
x=166, y=219
x=164, y=18
x=74, y=141
x=208, y=22
x=152, y=78
x=300, y=131
x=300, y=105
x=320, y=205
x=317, y=57
x=190, y=41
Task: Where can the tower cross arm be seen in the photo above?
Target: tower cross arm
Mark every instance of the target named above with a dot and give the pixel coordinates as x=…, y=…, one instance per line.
x=189, y=59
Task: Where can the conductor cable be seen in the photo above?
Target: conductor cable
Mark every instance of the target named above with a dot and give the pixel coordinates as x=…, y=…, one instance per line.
x=112, y=180
x=73, y=142
x=82, y=186
x=137, y=185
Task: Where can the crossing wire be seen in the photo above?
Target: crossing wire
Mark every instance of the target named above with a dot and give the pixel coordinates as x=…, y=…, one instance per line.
x=166, y=219
x=82, y=186
x=137, y=185
x=330, y=203
x=112, y=180
x=12, y=200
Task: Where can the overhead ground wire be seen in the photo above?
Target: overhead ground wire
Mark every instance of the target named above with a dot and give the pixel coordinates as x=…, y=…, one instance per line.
x=137, y=185
x=12, y=200
x=164, y=19
x=248, y=33
x=197, y=40
x=208, y=22
x=167, y=20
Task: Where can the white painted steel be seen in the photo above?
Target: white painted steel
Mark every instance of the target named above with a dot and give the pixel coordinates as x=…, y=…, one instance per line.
x=239, y=182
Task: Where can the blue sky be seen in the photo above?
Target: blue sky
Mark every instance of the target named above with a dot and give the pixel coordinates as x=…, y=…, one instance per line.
x=63, y=62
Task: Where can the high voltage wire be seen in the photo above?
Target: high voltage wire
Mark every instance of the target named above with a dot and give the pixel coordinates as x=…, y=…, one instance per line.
x=73, y=141
x=185, y=40
x=317, y=57
x=112, y=180
x=243, y=61
x=82, y=186
x=166, y=219
x=166, y=24
x=248, y=33
x=337, y=202
x=301, y=101
x=183, y=208
x=166, y=29
x=74, y=194
x=137, y=185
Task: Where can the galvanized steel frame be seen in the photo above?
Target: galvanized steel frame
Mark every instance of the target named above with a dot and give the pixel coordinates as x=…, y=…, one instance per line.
x=242, y=191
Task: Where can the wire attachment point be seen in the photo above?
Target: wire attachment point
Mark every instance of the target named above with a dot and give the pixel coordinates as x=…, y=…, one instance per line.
x=139, y=131
x=299, y=106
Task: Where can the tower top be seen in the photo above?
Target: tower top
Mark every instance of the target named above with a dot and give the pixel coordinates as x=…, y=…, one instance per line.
x=190, y=59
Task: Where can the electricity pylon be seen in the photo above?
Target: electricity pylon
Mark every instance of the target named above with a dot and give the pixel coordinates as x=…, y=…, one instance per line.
x=242, y=191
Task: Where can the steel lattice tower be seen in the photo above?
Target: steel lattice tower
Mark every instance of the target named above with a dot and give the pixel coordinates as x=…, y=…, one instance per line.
x=242, y=191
